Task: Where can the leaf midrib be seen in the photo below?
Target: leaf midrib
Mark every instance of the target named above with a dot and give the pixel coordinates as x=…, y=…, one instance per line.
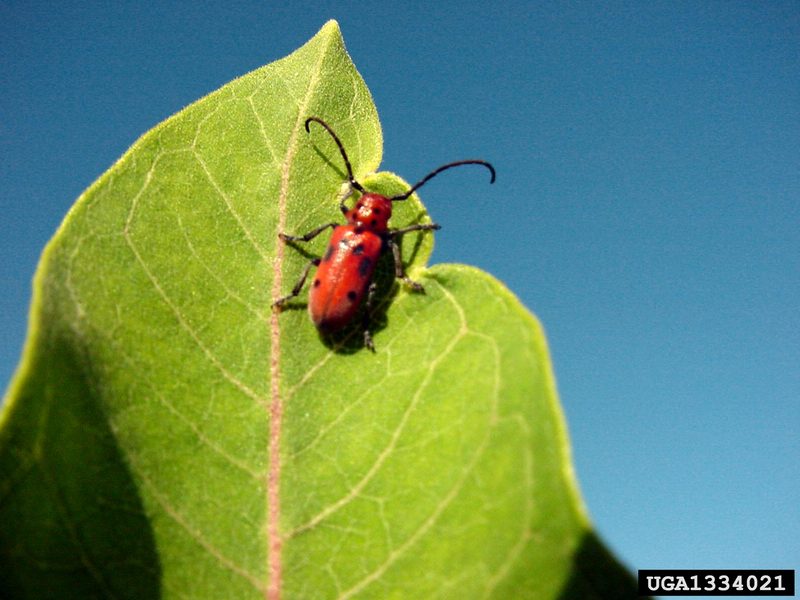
x=275, y=409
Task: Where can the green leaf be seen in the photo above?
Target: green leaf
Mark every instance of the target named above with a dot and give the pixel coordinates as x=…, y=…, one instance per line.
x=168, y=435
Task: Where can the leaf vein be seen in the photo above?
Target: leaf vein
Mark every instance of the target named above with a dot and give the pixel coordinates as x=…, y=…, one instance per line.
x=356, y=490
x=194, y=533
x=241, y=386
x=262, y=129
x=274, y=538
x=526, y=533
x=395, y=554
x=229, y=206
x=251, y=309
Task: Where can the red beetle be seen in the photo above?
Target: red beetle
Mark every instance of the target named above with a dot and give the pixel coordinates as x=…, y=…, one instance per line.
x=344, y=275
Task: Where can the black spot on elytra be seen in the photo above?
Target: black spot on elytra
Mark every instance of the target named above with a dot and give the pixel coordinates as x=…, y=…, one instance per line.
x=359, y=249
x=364, y=266
x=317, y=283
x=373, y=222
x=359, y=229
x=377, y=211
x=352, y=295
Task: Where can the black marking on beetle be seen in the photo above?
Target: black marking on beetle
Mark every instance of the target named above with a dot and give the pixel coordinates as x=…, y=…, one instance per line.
x=352, y=295
x=328, y=254
x=374, y=222
x=358, y=229
x=364, y=266
x=317, y=283
x=359, y=249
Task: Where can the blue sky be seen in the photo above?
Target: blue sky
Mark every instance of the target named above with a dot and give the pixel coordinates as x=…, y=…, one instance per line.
x=646, y=209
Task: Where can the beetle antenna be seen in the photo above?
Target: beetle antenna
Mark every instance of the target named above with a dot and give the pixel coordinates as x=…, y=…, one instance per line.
x=434, y=173
x=336, y=139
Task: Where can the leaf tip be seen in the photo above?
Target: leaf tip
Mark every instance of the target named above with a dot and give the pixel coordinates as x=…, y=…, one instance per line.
x=331, y=27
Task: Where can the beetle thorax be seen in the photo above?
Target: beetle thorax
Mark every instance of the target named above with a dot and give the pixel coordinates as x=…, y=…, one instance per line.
x=372, y=212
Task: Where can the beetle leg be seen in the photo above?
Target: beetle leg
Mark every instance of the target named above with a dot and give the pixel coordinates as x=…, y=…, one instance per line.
x=307, y=237
x=398, y=261
x=367, y=310
x=345, y=196
x=398, y=267
x=297, y=286
x=410, y=228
